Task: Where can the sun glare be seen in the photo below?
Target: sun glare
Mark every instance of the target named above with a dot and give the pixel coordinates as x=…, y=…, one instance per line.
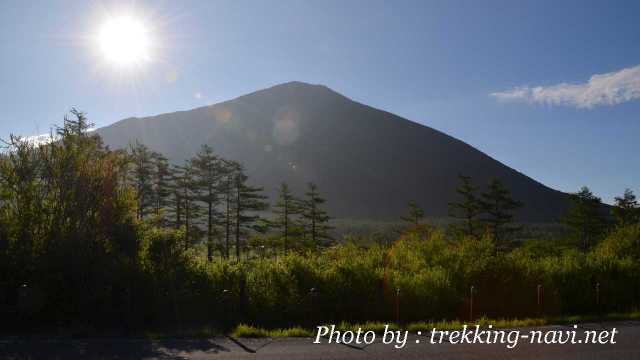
x=124, y=41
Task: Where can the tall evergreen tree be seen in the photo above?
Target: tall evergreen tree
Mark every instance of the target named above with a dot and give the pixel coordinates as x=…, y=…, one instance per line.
x=229, y=169
x=497, y=205
x=626, y=210
x=468, y=208
x=414, y=214
x=77, y=124
x=162, y=187
x=248, y=201
x=176, y=203
x=316, y=218
x=210, y=171
x=586, y=217
x=286, y=209
x=189, y=195
x=142, y=174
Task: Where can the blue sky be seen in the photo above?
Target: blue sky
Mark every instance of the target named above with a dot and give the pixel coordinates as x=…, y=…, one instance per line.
x=434, y=62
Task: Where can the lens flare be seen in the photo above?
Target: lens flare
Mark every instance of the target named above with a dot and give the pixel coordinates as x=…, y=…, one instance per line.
x=124, y=41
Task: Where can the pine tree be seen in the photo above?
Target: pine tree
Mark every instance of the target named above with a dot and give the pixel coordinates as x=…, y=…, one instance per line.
x=626, y=210
x=415, y=214
x=586, y=217
x=162, y=187
x=248, y=201
x=286, y=209
x=498, y=206
x=189, y=195
x=315, y=216
x=468, y=209
x=175, y=203
x=77, y=125
x=210, y=171
x=142, y=175
x=228, y=169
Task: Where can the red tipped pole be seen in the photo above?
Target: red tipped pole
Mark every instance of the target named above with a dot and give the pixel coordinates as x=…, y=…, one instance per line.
x=471, y=291
x=398, y=306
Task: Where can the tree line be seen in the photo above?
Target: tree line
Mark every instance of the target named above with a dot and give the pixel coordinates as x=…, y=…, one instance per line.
x=211, y=197
x=492, y=213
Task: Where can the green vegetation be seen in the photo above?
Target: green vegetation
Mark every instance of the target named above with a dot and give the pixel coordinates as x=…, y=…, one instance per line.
x=254, y=332
x=248, y=331
x=95, y=239
x=415, y=214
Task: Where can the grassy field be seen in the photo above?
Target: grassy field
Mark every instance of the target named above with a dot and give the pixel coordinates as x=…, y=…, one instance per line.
x=248, y=331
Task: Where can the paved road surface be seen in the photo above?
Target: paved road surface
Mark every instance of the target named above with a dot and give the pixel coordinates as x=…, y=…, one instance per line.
x=627, y=347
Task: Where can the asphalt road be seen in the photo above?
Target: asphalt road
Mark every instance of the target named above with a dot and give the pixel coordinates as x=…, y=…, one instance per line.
x=627, y=347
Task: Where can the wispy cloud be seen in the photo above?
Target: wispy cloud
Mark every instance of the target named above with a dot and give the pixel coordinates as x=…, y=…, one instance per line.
x=601, y=89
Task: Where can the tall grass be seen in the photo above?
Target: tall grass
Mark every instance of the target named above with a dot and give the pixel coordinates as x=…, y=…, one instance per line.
x=433, y=274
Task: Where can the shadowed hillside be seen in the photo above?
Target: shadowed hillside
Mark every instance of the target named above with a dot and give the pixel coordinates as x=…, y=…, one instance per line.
x=369, y=163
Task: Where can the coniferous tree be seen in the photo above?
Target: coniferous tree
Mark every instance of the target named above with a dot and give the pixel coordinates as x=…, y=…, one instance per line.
x=286, y=209
x=468, y=208
x=626, y=210
x=586, y=217
x=162, y=187
x=210, y=171
x=176, y=203
x=315, y=216
x=142, y=177
x=414, y=215
x=189, y=194
x=248, y=200
x=77, y=125
x=497, y=205
x=228, y=169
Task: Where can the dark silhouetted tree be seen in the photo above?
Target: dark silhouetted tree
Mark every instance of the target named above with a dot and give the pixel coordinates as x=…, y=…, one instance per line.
x=176, y=202
x=228, y=169
x=189, y=195
x=315, y=217
x=626, y=210
x=210, y=171
x=142, y=177
x=468, y=208
x=498, y=206
x=414, y=214
x=248, y=201
x=162, y=186
x=285, y=210
x=586, y=217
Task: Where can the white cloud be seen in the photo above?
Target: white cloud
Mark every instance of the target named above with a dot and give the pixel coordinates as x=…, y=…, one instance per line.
x=38, y=140
x=44, y=139
x=601, y=89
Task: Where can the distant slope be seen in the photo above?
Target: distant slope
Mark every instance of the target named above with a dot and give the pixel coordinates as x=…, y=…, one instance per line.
x=367, y=162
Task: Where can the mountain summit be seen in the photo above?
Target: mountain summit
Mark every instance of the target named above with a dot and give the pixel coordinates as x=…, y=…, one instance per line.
x=368, y=163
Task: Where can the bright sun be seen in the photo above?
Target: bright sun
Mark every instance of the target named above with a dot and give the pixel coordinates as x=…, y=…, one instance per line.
x=124, y=41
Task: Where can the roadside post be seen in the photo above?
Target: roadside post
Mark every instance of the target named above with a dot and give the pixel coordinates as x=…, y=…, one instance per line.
x=472, y=290
x=398, y=306
x=226, y=306
x=540, y=299
x=313, y=293
x=598, y=309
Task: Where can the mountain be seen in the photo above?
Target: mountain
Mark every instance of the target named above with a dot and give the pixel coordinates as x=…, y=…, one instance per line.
x=368, y=163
